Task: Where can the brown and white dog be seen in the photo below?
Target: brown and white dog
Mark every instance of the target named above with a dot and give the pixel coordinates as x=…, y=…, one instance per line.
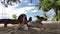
x=22, y=19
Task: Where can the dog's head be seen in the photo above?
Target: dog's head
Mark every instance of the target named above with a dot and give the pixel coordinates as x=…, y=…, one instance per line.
x=22, y=18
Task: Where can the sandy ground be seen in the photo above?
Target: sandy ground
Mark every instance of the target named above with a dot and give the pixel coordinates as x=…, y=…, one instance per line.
x=47, y=28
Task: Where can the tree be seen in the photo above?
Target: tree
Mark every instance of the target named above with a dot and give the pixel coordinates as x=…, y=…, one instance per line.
x=9, y=2
x=54, y=16
x=48, y=4
x=45, y=15
x=59, y=15
x=14, y=16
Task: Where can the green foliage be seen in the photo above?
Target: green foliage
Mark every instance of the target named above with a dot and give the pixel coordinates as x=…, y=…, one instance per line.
x=14, y=16
x=45, y=15
x=46, y=5
x=57, y=16
x=54, y=16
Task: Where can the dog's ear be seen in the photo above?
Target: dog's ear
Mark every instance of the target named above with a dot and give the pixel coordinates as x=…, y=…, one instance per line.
x=30, y=19
x=25, y=17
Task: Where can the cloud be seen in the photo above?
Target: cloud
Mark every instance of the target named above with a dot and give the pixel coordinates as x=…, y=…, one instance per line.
x=30, y=4
x=34, y=10
x=7, y=12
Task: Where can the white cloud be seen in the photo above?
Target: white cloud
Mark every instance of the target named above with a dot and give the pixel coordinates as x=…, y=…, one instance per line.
x=24, y=1
x=12, y=10
x=7, y=12
x=17, y=11
x=34, y=10
x=30, y=4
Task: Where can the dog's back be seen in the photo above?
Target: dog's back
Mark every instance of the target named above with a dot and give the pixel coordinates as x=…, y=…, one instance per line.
x=8, y=21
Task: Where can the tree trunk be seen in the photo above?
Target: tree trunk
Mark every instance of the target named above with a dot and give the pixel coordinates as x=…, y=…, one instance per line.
x=56, y=14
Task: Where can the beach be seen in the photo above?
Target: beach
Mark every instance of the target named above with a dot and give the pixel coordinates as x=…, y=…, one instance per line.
x=47, y=28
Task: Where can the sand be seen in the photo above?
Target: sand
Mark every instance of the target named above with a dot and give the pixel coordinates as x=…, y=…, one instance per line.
x=47, y=28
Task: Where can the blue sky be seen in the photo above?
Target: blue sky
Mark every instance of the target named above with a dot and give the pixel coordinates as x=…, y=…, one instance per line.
x=25, y=7
x=25, y=3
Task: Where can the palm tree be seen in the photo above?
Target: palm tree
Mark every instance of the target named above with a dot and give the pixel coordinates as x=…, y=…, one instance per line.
x=48, y=4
